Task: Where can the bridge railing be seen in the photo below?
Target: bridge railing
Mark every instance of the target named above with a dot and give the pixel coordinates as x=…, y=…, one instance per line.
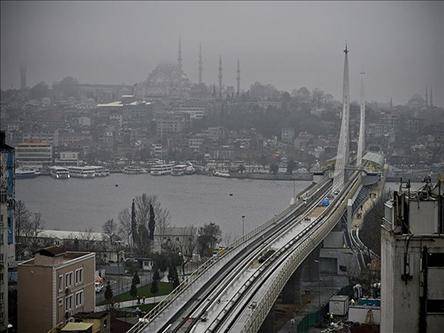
x=242, y=241
x=320, y=231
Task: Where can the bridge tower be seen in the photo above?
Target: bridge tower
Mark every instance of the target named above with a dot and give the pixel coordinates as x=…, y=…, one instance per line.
x=343, y=146
x=361, y=140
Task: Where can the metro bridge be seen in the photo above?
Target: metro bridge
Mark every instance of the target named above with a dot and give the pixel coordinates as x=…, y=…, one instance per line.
x=234, y=291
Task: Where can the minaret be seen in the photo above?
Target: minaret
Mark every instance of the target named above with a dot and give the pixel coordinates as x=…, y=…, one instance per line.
x=426, y=98
x=22, y=77
x=343, y=146
x=220, y=76
x=179, y=56
x=200, y=64
x=361, y=140
x=238, y=78
x=431, y=97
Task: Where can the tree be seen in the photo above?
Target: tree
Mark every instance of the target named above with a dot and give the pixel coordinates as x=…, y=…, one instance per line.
x=22, y=217
x=110, y=230
x=290, y=166
x=173, y=277
x=133, y=290
x=208, y=237
x=136, y=279
x=142, y=208
x=274, y=168
x=155, y=282
x=108, y=293
x=152, y=222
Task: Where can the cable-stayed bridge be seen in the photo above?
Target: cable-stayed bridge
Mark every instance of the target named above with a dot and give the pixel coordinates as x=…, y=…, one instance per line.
x=234, y=291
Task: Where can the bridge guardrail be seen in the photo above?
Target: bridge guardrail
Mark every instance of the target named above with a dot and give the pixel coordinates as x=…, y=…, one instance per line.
x=254, y=321
x=190, y=279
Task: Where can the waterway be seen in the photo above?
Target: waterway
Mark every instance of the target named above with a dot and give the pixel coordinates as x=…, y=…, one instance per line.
x=80, y=204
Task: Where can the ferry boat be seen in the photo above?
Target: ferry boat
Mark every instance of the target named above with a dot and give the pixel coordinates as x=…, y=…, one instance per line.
x=100, y=171
x=21, y=173
x=59, y=172
x=82, y=171
x=179, y=170
x=133, y=170
x=162, y=169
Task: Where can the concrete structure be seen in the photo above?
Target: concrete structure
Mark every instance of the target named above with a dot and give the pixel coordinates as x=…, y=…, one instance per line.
x=287, y=135
x=65, y=283
x=344, y=140
x=412, y=267
x=34, y=153
x=7, y=249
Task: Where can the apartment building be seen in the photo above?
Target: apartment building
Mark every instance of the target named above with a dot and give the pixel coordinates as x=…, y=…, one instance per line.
x=52, y=287
x=7, y=250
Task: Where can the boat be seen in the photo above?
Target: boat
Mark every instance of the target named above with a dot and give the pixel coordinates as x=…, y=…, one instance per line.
x=133, y=170
x=100, y=171
x=59, y=172
x=179, y=170
x=221, y=174
x=161, y=169
x=82, y=171
x=21, y=173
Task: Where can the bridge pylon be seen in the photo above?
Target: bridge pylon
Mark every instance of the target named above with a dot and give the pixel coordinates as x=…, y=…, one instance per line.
x=344, y=138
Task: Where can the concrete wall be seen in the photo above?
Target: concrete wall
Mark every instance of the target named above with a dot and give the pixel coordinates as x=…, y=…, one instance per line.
x=400, y=301
x=34, y=298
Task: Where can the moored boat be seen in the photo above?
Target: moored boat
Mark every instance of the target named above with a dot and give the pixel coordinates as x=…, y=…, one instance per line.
x=59, y=172
x=21, y=173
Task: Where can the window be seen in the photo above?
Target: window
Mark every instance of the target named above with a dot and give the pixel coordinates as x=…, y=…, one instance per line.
x=79, y=298
x=436, y=260
x=68, y=279
x=79, y=275
x=60, y=282
x=68, y=303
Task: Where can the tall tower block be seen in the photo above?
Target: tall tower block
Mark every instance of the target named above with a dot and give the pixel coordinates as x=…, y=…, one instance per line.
x=179, y=56
x=220, y=76
x=22, y=77
x=200, y=64
x=361, y=140
x=238, y=78
x=343, y=146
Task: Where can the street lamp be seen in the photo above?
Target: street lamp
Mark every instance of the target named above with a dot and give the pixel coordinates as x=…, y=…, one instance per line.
x=319, y=280
x=243, y=225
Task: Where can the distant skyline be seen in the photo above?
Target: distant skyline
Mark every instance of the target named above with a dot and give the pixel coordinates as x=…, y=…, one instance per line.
x=400, y=45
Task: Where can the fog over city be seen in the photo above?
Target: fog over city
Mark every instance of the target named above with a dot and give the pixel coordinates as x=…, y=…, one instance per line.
x=288, y=44
x=221, y=166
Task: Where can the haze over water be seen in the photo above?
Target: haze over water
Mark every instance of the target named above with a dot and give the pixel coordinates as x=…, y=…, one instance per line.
x=78, y=204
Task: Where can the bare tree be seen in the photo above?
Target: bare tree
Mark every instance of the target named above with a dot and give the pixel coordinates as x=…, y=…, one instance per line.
x=110, y=230
x=22, y=216
x=125, y=224
x=30, y=232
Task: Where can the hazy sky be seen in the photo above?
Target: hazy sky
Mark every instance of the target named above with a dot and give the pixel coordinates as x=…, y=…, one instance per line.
x=289, y=44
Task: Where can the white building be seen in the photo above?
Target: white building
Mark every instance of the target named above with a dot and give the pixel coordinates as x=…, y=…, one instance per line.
x=412, y=267
x=67, y=158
